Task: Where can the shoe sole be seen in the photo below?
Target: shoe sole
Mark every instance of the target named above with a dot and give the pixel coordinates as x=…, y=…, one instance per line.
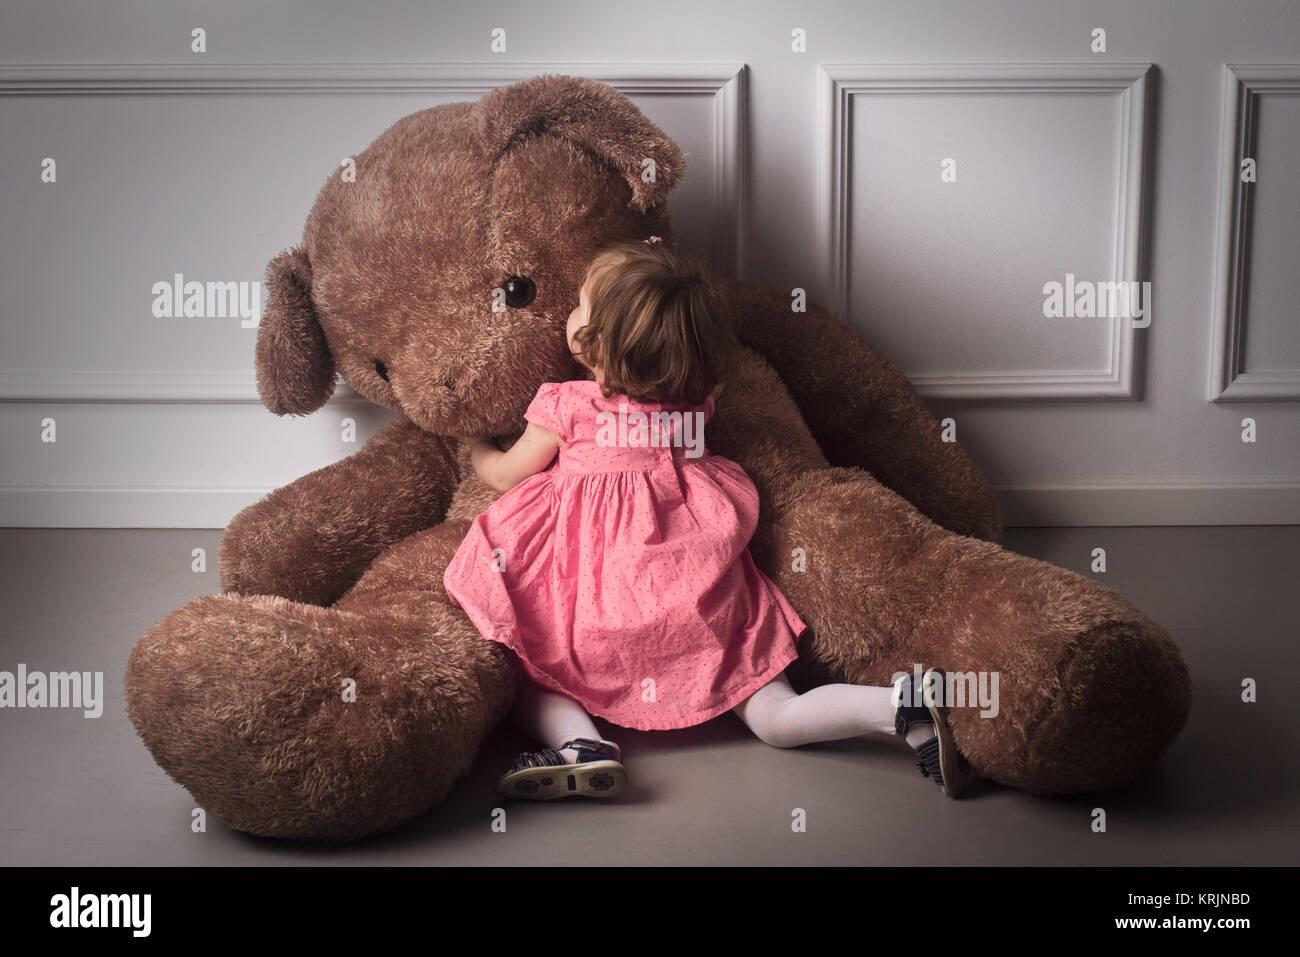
x=594, y=779
x=952, y=766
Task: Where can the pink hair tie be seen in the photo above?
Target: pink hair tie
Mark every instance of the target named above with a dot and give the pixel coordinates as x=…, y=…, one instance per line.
x=655, y=240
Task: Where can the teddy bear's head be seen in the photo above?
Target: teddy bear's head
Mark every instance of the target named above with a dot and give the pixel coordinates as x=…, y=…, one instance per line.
x=437, y=270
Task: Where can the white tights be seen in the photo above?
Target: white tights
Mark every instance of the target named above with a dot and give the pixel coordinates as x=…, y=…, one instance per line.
x=776, y=713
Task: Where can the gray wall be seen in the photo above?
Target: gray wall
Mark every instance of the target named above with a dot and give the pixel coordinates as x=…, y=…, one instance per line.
x=817, y=169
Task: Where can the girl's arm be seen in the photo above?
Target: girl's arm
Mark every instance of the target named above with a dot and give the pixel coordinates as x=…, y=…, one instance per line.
x=528, y=456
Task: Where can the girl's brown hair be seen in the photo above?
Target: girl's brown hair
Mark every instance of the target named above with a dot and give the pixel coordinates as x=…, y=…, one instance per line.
x=659, y=326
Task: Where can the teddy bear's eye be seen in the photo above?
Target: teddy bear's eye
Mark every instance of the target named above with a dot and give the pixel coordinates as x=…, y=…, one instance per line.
x=520, y=291
x=382, y=370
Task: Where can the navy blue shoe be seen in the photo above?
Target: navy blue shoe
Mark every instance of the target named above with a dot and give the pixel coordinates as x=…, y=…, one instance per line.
x=544, y=775
x=938, y=758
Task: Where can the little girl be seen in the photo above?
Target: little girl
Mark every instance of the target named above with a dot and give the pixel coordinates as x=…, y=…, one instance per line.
x=621, y=578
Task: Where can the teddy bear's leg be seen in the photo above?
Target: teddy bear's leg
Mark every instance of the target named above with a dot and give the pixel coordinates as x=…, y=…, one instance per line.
x=291, y=720
x=1089, y=690
x=1068, y=687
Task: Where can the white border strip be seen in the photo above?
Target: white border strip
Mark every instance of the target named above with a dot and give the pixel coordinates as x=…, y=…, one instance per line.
x=1226, y=502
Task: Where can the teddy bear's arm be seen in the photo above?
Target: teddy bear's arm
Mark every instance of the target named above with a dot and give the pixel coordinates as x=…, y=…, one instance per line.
x=864, y=412
x=312, y=539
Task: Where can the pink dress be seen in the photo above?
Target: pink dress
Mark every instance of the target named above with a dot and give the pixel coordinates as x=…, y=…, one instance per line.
x=621, y=575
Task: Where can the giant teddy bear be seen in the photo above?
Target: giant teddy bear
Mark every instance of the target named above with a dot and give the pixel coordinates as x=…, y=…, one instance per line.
x=437, y=284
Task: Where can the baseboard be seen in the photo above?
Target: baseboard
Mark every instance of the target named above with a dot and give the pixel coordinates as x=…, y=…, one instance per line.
x=1222, y=502
x=88, y=506
x=1164, y=503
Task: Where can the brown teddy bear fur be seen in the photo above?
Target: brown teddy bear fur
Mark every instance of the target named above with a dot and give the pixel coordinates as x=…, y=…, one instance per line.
x=337, y=576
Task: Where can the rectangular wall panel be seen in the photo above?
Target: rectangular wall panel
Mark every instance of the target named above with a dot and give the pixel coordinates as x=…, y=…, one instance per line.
x=953, y=194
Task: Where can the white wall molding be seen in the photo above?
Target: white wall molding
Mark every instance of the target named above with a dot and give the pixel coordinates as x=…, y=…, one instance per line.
x=141, y=387
x=1176, y=502
x=114, y=506
x=1127, y=82
x=1243, y=87
x=1220, y=502
x=724, y=82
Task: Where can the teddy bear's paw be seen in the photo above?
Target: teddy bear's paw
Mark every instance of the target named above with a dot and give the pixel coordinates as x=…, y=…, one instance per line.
x=291, y=720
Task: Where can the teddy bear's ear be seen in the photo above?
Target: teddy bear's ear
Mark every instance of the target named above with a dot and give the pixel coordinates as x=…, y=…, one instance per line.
x=295, y=370
x=593, y=115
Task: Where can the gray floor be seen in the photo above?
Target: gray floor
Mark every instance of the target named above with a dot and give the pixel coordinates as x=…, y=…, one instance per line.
x=85, y=792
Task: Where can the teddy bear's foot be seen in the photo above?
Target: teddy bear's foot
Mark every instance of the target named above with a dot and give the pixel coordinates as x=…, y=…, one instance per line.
x=1069, y=688
x=291, y=720
x=1079, y=711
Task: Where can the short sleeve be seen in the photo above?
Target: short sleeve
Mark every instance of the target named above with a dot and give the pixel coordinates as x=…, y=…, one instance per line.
x=547, y=409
